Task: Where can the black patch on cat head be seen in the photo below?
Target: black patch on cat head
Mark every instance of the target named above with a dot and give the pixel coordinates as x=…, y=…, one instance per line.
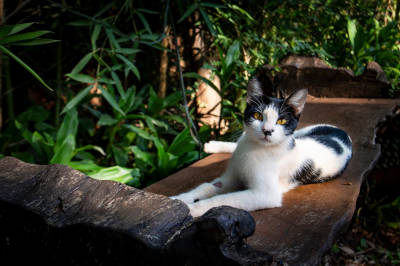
x=261, y=84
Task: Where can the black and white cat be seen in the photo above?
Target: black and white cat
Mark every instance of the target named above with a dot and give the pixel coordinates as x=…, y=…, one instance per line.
x=271, y=158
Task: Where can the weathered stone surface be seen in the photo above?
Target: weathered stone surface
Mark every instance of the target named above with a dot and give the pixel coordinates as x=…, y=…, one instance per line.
x=312, y=215
x=57, y=215
x=324, y=81
x=73, y=202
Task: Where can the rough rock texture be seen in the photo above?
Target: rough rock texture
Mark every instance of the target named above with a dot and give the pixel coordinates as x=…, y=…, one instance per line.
x=324, y=81
x=312, y=215
x=56, y=215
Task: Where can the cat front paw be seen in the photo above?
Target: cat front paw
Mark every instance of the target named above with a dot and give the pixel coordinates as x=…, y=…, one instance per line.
x=211, y=147
x=185, y=197
x=197, y=210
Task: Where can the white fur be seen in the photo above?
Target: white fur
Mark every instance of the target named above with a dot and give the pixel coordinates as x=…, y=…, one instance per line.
x=264, y=165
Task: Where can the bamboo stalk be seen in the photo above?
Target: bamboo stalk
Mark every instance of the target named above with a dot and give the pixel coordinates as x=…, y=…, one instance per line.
x=8, y=89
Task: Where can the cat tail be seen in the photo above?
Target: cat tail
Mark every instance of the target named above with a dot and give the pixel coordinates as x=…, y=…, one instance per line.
x=219, y=146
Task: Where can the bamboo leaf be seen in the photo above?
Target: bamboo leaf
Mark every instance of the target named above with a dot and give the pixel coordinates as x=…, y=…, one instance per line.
x=110, y=99
x=74, y=101
x=19, y=61
x=197, y=76
x=19, y=27
x=81, y=78
x=127, y=51
x=34, y=42
x=95, y=36
x=207, y=21
x=144, y=21
x=130, y=65
x=188, y=12
x=23, y=36
x=118, y=84
x=82, y=63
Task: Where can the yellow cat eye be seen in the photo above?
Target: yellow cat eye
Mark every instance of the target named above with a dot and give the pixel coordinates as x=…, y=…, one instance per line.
x=281, y=121
x=258, y=116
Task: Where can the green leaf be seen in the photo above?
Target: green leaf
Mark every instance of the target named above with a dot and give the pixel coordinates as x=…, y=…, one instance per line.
x=147, y=11
x=144, y=21
x=127, y=51
x=146, y=157
x=34, y=42
x=142, y=133
x=81, y=64
x=110, y=99
x=120, y=155
x=65, y=151
x=207, y=21
x=188, y=12
x=106, y=120
x=155, y=103
x=74, y=101
x=182, y=143
x=41, y=146
x=69, y=127
x=26, y=134
x=23, y=36
x=233, y=53
x=213, y=5
x=95, y=36
x=130, y=65
x=118, y=84
x=19, y=61
x=90, y=147
x=19, y=27
x=81, y=78
x=352, y=31
x=197, y=76
x=86, y=166
x=113, y=42
x=119, y=174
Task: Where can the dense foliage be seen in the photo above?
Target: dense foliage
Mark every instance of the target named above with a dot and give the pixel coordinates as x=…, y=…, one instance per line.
x=107, y=117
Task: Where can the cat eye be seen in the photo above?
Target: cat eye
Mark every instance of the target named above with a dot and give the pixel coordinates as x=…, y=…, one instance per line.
x=258, y=116
x=281, y=121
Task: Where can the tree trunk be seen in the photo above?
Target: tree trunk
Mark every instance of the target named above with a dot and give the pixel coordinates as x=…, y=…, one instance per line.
x=162, y=91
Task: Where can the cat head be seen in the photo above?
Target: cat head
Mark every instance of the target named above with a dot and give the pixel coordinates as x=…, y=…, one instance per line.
x=268, y=120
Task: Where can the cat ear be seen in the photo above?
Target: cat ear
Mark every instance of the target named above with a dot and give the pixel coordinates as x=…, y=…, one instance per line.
x=254, y=89
x=261, y=84
x=297, y=100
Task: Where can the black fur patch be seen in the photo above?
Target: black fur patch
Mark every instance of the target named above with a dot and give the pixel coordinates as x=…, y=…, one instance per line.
x=307, y=174
x=292, y=144
x=325, y=135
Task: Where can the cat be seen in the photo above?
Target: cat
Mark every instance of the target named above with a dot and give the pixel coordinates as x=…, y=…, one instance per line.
x=271, y=157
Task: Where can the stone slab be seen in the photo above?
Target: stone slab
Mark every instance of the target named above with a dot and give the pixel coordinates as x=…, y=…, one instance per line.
x=312, y=215
x=65, y=197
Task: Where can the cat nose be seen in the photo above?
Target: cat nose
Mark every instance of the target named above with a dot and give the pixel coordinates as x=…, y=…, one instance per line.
x=267, y=132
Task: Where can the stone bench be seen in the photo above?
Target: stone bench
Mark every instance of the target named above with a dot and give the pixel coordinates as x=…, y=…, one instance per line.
x=54, y=213
x=312, y=215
